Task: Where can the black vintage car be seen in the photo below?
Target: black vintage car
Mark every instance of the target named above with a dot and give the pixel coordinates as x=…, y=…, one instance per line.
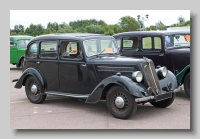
x=165, y=48
x=88, y=66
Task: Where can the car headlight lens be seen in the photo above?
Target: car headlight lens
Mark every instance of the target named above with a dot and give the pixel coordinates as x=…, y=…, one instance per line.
x=137, y=76
x=162, y=71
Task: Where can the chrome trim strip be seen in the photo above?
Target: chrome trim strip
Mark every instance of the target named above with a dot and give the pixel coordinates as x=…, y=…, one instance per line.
x=67, y=94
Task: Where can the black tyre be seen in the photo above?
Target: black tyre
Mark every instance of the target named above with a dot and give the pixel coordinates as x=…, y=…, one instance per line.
x=34, y=90
x=186, y=84
x=120, y=103
x=164, y=103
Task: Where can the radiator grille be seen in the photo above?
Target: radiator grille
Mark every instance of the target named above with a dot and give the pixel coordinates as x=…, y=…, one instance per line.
x=151, y=76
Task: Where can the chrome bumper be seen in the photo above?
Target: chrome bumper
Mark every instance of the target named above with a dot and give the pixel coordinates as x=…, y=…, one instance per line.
x=156, y=97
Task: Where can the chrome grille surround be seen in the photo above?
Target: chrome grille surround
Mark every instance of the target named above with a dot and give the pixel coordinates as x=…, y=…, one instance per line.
x=151, y=77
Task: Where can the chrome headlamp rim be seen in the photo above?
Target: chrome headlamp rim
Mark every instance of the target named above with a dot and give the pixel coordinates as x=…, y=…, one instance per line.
x=137, y=76
x=162, y=71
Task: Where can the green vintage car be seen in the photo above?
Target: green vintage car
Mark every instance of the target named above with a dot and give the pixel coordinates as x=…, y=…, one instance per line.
x=17, y=49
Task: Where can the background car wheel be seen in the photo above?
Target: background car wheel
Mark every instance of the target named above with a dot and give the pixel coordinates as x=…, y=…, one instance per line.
x=34, y=90
x=164, y=103
x=120, y=103
x=187, y=85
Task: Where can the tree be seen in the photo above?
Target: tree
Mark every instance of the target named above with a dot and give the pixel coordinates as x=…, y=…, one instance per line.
x=18, y=29
x=94, y=29
x=65, y=29
x=35, y=30
x=151, y=28
x=51, y=28
x=181, y=20
x=128, y=23
x=160, y=26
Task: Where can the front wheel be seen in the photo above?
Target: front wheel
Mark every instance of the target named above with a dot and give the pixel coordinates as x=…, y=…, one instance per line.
x=120, y=103
x=164, y=103
x=187, y=85
x=34, y=90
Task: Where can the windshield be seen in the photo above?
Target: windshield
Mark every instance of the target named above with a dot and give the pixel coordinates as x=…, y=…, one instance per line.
x=177, y=40
x=100, y=46
x=22, y=43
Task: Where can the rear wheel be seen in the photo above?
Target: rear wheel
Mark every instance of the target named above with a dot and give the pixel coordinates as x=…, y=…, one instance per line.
x=34, y=90
x=187, y=85
x=164, y=103
x=120, y=103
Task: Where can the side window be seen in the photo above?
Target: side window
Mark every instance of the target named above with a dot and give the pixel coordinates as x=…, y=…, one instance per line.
x=71, y=50
x=130, y=43
x=32, y=51
x=12, y=44
x=157, y=43
x=48, y=49
x=147, y=43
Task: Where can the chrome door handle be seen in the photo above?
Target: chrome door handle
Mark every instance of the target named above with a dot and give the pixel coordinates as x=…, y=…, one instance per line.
x=161, y=55
x=83, y=65
x=38, y=62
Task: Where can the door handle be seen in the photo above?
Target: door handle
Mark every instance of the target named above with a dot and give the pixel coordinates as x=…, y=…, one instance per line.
x=161, y=55
x=83, y=65
x=38, y=62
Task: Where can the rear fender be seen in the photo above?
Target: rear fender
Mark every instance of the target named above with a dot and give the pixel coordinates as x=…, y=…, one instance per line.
x=30, y=72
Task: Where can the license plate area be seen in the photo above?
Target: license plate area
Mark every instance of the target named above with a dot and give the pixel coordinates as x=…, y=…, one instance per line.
x=163, y=96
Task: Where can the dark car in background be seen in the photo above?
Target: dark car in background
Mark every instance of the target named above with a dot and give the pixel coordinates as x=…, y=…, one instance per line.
x=88, y=66
x=165, y=48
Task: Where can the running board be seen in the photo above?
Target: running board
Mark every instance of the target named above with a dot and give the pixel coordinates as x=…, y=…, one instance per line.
x=67, y=94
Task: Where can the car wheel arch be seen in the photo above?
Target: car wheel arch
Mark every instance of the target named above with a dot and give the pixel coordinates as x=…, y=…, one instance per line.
x=30, y=72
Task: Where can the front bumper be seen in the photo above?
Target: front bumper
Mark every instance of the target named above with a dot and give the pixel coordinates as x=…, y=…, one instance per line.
x=159, y=97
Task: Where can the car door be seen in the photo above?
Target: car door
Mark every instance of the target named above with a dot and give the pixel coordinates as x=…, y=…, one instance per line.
x=73, y=71
x=13, y=52
x=48, y=63
x=152, y=48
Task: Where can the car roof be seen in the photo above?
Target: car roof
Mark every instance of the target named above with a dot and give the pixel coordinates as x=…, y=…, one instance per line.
x=20, y=36
x=81, y=36
x=165, y=32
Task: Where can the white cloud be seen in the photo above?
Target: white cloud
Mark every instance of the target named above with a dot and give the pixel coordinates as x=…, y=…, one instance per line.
x=26, y=17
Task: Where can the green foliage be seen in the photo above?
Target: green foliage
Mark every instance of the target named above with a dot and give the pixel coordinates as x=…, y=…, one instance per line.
x=160, y=26
x=151, y=28
x=94, y=29
x=128, y=23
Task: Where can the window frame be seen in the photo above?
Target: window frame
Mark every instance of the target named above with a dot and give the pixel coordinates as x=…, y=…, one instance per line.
x=56, y=51
x=29, y=46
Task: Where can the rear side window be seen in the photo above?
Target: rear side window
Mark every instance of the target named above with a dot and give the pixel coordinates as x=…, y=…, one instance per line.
x=23, y=43
x=32, y=51
x=147, y=43
x=48, y=49
x=157, y=43
x=130, y=43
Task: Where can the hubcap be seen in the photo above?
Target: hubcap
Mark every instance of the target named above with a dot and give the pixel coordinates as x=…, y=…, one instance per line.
x=34, y=89
x=119, y=102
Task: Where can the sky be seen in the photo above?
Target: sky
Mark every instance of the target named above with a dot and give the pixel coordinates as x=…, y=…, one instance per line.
x=26, y=17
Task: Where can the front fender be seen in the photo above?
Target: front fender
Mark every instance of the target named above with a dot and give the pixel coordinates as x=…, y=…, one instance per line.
x=123, y=81
x=180, y=76
x=30, y=72
x=169, y=78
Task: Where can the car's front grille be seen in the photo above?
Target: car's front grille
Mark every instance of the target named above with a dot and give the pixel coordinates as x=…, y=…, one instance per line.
x=151, y=76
